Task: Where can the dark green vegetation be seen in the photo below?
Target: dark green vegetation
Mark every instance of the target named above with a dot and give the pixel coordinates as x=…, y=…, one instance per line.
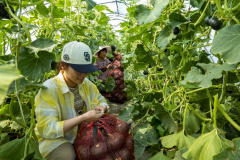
x=185, y=106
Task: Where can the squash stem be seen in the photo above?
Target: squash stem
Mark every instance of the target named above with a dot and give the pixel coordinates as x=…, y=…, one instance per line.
x=202, y=15
x=202, y=118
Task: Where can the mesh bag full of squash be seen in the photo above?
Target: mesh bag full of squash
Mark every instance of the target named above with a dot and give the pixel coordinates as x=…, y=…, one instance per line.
x=107, y=139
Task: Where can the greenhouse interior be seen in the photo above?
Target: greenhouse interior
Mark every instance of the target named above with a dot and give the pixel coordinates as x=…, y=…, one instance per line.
x=119, y=79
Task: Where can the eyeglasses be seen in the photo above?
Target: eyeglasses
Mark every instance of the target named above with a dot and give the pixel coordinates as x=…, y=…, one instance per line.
x=79, y=73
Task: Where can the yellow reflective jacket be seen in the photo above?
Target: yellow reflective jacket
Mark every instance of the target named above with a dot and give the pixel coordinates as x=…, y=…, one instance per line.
x=56, y=104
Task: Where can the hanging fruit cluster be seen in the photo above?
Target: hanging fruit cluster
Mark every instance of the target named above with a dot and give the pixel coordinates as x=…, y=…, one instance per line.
x=117, y=95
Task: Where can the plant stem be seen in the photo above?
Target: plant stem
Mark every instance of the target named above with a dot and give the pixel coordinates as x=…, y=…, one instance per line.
x=202, y=118
x=230, y=9
x=13, y=117
x=227, y=116
x=203, y=129
x=20, y=22
x=225, y=78
x=215, y=111
x=236, y=20
x=200, y=89
x=184, y=118
x=32, y=4
x=202, y=15
x=141, y=118
x=219, y=6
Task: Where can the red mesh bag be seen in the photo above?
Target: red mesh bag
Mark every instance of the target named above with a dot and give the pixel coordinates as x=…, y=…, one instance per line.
x=118, y=57
x=118, y=65
x=108, y=138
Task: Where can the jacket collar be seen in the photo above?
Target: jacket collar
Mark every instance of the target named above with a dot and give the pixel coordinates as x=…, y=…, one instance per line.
x=63, y=84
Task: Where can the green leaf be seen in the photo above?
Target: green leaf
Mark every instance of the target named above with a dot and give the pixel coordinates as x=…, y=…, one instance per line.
x=58, y=12
x=206, y=146
x=4, y=138
x=24, y=84
x=178, y=155
x=165, y=36
x=163, y=115
x=230, y=153
x=103, y=19
x=172, y=65
x=33, y=67
x=192, y=123
x=144, y=56
x=144, y=15
x=42, y=44
x=42, y=10
x=30, y=156
x=8, y=74
x=14, y=149
x=177, y=19
x=212, y=71
x=140, y=66
x=78, y=30
x=178, y=139
x=159, y=156
x=144, y=137
x=91, y=4
x=110, y=84
x=128, y=113
x=226, y=43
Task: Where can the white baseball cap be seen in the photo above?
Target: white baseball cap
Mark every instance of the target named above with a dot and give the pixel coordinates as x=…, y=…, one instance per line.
x=79, y=56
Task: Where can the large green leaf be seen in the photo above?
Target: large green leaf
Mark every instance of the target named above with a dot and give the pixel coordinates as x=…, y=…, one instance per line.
x=8, y=74
x=165, y=36
x=230, y=153
x=14, y=149
x=178, y=139
x=159, y=156
x=144, y=56
x=91, y=4
x=140, y=66
x=42, y=10
x=110, y=84
x=4, y=138
x=128, y=113
x=177, y=19
x=192, y=123
x=34, y=67
x=206, y=146
x=212, y=71
x=143, y=137
x=42, y=44
x=103, y=19
x=227, y=43
x=166, y=119
x=144, y=15
x=58, y=12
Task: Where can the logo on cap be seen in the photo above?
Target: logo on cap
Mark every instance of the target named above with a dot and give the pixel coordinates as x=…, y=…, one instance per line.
x=87, y=56
x=66, y=57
